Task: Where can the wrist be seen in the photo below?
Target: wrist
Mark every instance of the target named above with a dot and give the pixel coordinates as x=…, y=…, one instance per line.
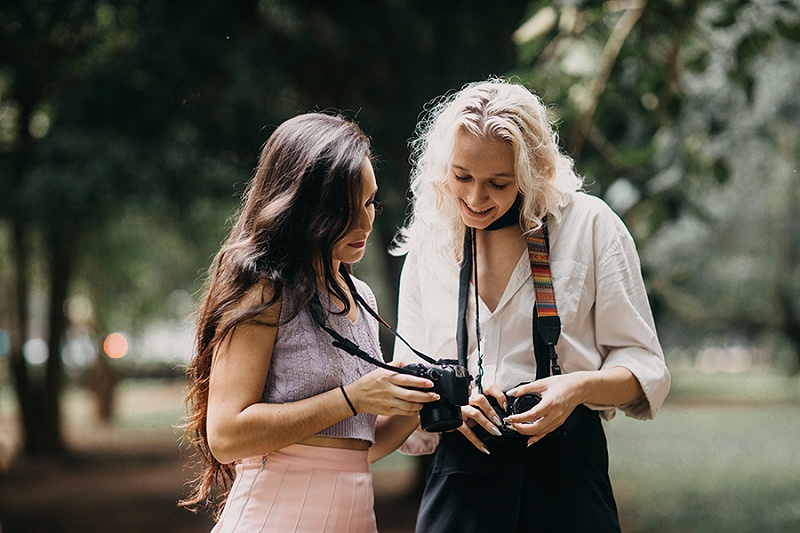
x=586, y=382
x=351, y=407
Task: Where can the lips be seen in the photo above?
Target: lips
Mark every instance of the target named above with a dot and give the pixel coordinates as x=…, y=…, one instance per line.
x=478, y=213
x=357, y=244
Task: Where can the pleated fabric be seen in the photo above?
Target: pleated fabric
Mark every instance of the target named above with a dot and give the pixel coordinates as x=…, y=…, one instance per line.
x=302, y=489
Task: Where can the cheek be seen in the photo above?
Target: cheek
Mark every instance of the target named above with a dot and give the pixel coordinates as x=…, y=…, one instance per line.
x=509, y=196
x=455, y=188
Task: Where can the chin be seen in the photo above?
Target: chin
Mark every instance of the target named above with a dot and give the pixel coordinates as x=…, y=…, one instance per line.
x=472, y=223
x=352, y=258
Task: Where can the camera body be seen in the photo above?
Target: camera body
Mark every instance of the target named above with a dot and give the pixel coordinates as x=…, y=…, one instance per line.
x=516, y=405
x=451, y=382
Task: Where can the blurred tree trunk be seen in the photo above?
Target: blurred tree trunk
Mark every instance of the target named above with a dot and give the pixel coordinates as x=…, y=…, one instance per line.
x=39, y=400
x=60, y=275
x=29, y=409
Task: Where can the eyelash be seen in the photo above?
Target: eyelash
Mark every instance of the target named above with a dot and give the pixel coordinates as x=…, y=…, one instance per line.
x=465, y=180
x=376, y=204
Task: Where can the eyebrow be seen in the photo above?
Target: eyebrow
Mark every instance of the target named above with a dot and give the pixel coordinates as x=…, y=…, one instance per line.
x=498, y=175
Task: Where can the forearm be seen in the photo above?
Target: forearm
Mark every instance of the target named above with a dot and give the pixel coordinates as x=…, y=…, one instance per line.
x=390, y=433
x=608, y=386
x=264, y=427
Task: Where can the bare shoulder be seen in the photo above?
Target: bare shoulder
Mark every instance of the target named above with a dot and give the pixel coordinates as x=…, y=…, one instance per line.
x=258, y=297
x=250, y=325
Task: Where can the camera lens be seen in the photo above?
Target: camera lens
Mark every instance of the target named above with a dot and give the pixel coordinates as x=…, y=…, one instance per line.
x=523, y=403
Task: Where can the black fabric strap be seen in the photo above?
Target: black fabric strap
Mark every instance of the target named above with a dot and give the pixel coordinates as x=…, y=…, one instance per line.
x=540, y=350
x=509, y=218
x=318, y=314
x=464, y=275
x=360, y=300
x=546, y=357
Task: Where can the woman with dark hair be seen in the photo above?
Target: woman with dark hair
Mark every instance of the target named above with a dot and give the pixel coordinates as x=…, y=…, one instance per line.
x=284, y=423
x=536, y=286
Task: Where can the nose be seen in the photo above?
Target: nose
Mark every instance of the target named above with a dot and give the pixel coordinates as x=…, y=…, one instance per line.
x=366, y=216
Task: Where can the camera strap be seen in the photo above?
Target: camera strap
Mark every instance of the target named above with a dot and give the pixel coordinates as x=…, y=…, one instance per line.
x=546, y=326
x=318, y=315
x=548, y=322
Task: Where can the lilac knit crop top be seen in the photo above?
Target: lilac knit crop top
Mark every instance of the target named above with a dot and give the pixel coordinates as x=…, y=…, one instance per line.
x=305, y=363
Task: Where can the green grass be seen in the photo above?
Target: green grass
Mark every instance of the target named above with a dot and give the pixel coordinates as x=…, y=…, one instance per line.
x=723, y=455
x=754, y=387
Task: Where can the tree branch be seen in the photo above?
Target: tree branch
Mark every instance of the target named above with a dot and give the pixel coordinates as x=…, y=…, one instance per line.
x=611, y=51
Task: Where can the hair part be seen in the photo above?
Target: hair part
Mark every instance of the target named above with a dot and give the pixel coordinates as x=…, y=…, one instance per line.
x=493, y=109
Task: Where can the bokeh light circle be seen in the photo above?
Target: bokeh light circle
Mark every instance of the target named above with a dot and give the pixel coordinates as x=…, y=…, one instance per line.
x=115, y=346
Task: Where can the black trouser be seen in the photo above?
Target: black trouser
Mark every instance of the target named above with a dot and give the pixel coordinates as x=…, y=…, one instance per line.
x=560, y=484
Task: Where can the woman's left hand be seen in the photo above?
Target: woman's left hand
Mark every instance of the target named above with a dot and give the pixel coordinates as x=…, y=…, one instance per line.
x=560, y=396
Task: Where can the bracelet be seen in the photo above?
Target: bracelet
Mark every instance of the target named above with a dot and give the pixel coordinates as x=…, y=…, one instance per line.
x=341, y=388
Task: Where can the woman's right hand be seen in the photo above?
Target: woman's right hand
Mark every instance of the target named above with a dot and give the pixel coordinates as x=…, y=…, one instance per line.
x=479, y=412
x=383, y=392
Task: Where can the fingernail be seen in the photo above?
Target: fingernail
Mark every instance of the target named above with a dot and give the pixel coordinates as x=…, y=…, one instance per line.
x=436, y=397
x=484, y=450
x=497, y=421
x=496, y=431
x=512, y=392
x=505, y=406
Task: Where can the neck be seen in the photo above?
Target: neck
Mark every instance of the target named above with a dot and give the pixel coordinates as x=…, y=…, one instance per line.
x=508, y=241
x=337, y=275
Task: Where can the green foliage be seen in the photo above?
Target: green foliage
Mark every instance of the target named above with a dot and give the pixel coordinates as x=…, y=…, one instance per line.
x=684, y=117
x=158, y=110
x=128, y=128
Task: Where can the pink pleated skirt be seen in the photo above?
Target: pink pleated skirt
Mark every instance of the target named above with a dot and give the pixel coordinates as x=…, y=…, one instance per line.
x=302, y=489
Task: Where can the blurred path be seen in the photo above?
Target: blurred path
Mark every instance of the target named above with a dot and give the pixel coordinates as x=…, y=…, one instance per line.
x=127, y=478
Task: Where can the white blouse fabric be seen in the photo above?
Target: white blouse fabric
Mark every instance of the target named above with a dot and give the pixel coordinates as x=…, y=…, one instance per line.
x=605, y=314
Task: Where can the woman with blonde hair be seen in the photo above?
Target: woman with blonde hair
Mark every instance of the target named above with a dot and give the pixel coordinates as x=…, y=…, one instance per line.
x=536, y=287
x=284, y=423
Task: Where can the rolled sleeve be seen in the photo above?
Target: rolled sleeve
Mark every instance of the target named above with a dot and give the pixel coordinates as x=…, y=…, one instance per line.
x=625, y=329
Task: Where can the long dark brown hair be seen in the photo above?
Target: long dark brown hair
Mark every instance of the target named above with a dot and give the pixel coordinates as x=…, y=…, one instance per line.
x=298, y=204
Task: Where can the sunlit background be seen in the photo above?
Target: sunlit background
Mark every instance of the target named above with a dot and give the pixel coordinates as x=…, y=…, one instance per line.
x=129, y=128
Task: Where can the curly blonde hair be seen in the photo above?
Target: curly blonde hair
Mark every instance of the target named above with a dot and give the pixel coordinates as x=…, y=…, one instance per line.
x=491, y=109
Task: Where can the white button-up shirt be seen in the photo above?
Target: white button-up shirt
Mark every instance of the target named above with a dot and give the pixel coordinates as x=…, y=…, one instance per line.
x=606, y=319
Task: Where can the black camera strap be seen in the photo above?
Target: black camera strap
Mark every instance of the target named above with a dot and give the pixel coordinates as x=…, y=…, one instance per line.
x=546, y=324
x=377, y=317
x=469, y=269
x=318, y=315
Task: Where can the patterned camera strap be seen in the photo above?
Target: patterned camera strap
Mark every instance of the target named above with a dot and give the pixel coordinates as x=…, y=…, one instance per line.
x=546, y=321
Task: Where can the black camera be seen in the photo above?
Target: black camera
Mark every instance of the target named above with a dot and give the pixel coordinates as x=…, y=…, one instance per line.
x=516, y=405
x=451, y=382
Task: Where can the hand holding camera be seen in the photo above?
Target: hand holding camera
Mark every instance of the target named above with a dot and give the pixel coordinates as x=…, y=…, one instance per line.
x=513, y=405
x=387, y=392
x=451, y=381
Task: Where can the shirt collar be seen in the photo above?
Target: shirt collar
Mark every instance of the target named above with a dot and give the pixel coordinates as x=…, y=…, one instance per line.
x=520, y=275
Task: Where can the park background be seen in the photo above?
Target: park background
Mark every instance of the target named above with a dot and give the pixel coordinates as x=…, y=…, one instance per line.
x=128, y=129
